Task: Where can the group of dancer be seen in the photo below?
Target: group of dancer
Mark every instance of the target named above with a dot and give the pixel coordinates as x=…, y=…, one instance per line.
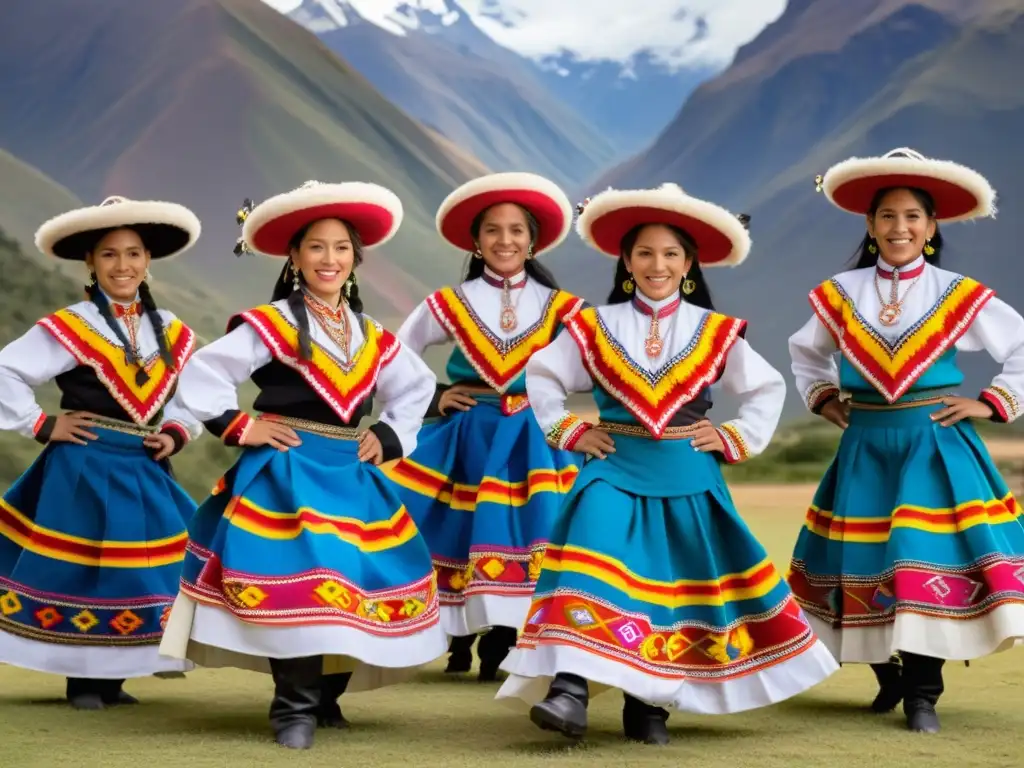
x=340, y=553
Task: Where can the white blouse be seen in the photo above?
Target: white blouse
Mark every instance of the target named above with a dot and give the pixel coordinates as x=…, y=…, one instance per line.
x=209, y=384
x=421, y=329
x=37, y=358
x=558, y=370
x=997, y=328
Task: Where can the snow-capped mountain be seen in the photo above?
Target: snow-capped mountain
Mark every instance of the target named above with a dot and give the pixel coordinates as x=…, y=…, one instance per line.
x=625, y=79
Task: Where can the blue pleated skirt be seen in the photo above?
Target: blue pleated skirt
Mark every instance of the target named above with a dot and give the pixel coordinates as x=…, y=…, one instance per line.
x=307, y=552
x=485, y=489
x=653, y=584
x=913, y=543
x=91, y=544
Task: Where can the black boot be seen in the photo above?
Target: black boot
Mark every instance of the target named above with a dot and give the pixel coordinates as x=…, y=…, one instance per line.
x=644, y=722
x=890, y=685
x=460, y=657
x=85, y=693
x=112, y=693
x=922, y=687
x=565, y=708
x=492, y=650
x=329, y=713
x=296, y=700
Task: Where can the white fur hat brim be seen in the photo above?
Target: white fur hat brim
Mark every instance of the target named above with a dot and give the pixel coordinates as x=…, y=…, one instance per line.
x=722, y=239
x=373, y=211
x=960, y=193
x=545, y=201
x=166, y=229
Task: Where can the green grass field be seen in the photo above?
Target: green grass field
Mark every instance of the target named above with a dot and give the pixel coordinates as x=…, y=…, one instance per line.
x=218, y=718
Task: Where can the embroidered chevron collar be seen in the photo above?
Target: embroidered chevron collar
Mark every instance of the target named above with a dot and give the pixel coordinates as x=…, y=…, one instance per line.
x=91, y=348
x=497, y=361
x=892, y=368
x=654, y=398
x=344, y=386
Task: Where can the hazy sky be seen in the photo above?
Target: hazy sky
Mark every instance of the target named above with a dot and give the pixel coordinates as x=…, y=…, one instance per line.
x=596, y=29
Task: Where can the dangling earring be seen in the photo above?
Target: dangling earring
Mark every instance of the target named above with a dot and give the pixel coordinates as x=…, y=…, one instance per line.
x=688, y=285
x=349, y=285
x=148, y=276
x=872, y=248
x=295, y=277
x=628, y=285
x=477, y=254
x=929, y=249
x=529, y=252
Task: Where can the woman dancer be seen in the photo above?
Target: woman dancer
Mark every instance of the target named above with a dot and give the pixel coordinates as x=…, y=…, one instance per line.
x=92, y=535
x=303, y=550
x=483, y=486
x=652, y=582
x=913, y=544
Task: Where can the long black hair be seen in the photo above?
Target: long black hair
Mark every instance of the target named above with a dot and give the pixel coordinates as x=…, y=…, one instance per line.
x=536, y=270
x=701, y=295
x=284, y=288
x=97, y=297
x=863, y=257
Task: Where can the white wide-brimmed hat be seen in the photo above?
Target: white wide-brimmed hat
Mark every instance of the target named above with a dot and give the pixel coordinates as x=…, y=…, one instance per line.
x=542, y=198
x=721, y=237
x=374, y=211
x=960, y=194
x=166, y=229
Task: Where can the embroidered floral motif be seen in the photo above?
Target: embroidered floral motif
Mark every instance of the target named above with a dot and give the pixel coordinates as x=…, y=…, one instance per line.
x=567, y=432
x=1005, y=403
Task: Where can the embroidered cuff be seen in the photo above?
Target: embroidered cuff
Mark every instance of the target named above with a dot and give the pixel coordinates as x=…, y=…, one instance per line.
x=231, y=427
x=179, y=434
x=567, y=432
x=392, y=446
x=819, y=394
x=43, y=428
x=736, y=449
x=1005, y=406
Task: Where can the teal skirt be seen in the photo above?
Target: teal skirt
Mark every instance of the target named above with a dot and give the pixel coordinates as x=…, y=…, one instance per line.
x=913, y=543
x=654, y=584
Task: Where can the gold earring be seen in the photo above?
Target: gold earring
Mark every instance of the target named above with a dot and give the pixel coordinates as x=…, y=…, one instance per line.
x=295, y=277
x=872, y=248
x=628, y=285
x=929, y=249
x=689, y=286
x=529, y=252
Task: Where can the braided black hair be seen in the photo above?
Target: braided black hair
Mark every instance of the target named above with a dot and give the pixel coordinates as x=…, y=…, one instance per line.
x=284, y=288
x=537, y=271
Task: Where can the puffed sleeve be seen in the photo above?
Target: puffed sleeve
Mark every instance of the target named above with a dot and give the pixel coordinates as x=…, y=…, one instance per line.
x=999, y=330
x=405, y=387
x=552, y=374
x=26, y=363
x=762, y=393
x=817, y=376
x=208, y=386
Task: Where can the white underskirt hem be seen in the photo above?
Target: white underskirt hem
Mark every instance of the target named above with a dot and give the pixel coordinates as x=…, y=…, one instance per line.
x=482, y=612
x=950, y=639
x=94, y=662
x=532, y=670
x=212, y=637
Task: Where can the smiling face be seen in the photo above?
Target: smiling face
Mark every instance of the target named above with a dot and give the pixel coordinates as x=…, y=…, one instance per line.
x=119, y=261
x=325, y=257
x=658, y=262
x=901, y=226
x=504, y=239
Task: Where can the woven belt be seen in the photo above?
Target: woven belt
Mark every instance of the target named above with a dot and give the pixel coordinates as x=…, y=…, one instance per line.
x=896, y=406
x=125, y=427
x=635, y=430
x=316, y=427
